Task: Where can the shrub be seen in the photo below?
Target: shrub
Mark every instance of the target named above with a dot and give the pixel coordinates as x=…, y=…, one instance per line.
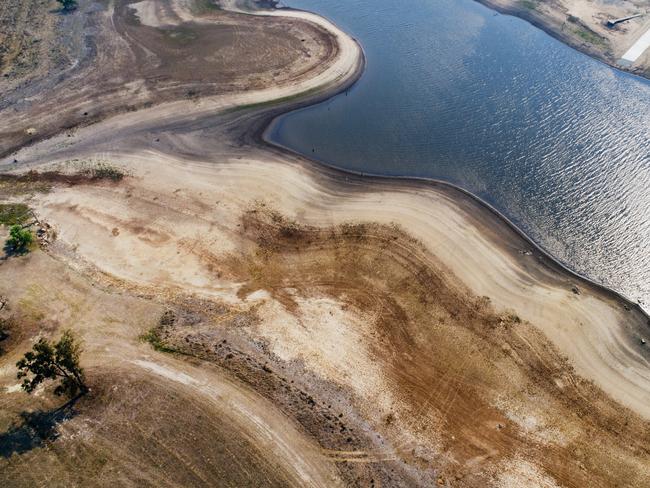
x=154, y=337
x=68, y=4
x=19, y=238
x=106, y=172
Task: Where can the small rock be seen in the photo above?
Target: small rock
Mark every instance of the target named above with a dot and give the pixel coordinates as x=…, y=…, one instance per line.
x=575, y=289
x=643, y=341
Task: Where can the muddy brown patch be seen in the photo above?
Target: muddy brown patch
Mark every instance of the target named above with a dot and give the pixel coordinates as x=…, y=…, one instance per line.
x=457, y=365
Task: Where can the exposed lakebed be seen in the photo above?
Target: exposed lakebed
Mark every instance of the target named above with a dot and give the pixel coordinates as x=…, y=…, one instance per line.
x=557, y=141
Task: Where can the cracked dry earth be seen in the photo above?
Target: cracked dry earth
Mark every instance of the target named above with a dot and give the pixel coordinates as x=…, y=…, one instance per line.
x=251, y=319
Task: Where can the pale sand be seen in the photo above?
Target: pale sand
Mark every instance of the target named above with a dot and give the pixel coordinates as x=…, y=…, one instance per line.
x=638, y=48
x=148, y=14
x=177, y=203
x=181, y=202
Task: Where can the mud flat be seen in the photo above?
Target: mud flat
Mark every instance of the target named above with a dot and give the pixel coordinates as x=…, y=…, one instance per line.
x=252, y=317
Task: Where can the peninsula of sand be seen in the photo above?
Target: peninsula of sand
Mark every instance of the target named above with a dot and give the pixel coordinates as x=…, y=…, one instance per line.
x=252, y=318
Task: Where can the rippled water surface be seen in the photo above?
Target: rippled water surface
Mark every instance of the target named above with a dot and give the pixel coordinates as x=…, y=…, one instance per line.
x=557, y=141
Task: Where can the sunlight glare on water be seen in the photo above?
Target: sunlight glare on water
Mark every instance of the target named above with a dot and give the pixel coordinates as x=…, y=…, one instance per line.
x=558, y=142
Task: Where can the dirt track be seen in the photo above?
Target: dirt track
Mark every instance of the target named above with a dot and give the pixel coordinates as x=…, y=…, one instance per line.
x=315, y=328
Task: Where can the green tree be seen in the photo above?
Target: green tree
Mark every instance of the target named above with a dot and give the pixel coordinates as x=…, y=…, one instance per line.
x=19, y=238
x=54, y=361
x=68, y=4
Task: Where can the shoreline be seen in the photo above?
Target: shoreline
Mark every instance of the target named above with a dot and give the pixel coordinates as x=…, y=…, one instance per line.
x=251, y=128
x=541, y=23
x=352, y=329
x=258, y=135
x=265, y=122
x=343, y=172
x=636, y=327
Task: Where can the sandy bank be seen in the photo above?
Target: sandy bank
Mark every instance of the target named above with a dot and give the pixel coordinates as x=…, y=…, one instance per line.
x=583, y=26
x=601, y=338
x=235, y=59
x=367, y=330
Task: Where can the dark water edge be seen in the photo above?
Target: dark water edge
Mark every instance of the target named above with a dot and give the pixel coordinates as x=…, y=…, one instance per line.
x=557, y=142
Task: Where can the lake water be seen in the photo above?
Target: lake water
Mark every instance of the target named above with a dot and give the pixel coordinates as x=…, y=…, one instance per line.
x=555, y=140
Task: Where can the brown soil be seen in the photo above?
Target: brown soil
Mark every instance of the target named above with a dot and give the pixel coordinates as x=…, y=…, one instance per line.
x=157, y=446
x=133, y=66
x=472, y=394
x=215, y=58
x=319, y=344
x=444, y=353
x=27, y=40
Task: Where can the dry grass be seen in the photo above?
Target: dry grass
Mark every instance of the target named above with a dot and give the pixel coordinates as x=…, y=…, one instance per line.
x=26, y=38
x=135, y=430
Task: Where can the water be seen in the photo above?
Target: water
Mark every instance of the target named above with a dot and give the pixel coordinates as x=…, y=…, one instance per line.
x=555, y=140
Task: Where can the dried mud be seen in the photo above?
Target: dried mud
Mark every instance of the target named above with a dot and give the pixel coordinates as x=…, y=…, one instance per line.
x=456, y=368
x=318, y=344
x=126, y=65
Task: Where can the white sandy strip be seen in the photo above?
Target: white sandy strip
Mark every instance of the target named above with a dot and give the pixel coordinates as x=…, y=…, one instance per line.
x=637, y=48
x=152, y=14
x=270, y=431
x=146, y=12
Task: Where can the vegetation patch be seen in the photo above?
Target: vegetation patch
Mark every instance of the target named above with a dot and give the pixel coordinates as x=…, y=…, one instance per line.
x=529, y=4
x=590, y=37
x=153, y=336
x=156, y=335
x=13, y=213
x=20, y=240
x=68, y=5
x=200, y=7
x=105, y=171
x=39, y=181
